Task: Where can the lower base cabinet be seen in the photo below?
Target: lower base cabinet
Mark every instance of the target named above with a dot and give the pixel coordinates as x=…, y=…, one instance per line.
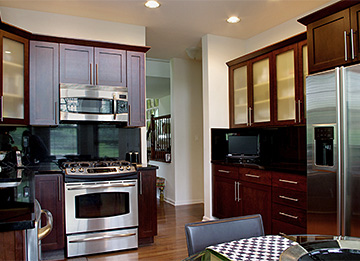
x=13, y=245
x=147, y=206
x=50, y=194
x=279, y=197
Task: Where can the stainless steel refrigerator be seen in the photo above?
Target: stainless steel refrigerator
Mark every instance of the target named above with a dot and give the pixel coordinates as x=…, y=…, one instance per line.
x=333, y=151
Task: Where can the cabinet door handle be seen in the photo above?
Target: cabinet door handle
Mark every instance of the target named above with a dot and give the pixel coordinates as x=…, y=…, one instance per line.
x=252, y=176
x=235, y=191
x=352, y=44
x=299, y=111
x=288, y=215
x=2, y=108
x=97, y=74
x=223, y=171
x=140, y=183
x=292, y=199
x=345, y=42
x=288, y=181
x=250, y=109
x=91, y=82
x=238, y=185
x=59, y=188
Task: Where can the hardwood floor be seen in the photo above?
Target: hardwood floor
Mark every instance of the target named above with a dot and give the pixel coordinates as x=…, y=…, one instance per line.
x=170, y=243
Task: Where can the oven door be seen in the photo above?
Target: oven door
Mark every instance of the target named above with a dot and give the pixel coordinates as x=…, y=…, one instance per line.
x=101, y=205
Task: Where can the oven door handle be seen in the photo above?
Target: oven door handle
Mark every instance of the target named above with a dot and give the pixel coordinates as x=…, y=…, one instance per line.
x=101, y=237
x=101, y=186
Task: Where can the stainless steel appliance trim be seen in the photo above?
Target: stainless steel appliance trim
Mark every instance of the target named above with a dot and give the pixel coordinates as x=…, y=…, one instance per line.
x=101, y=237
x=339, y=131
x=114, y=105
x=91, y=80
x=343, y=175
x=100, y=186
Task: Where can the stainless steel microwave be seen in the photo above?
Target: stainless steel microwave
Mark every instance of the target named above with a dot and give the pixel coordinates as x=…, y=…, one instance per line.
x=79, y=102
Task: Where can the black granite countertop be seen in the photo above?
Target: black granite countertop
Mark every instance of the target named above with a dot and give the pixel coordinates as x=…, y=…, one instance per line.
x=295, y=168
x=146, y=167
x=17, y=196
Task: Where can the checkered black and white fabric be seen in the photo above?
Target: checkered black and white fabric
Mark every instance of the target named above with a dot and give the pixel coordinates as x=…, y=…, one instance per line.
x=254, y=248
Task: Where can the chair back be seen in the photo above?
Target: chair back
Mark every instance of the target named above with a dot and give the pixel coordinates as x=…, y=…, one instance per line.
x=200, y=235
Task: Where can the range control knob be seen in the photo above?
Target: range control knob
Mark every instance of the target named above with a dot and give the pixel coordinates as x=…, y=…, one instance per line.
x=128, y=167
x=121, y=168
x=81, y=169
x=72, y=170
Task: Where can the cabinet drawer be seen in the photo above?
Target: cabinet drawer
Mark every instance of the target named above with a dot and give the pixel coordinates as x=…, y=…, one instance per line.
x=281, y=228
x=291, y=198
x=290, y=215
x=226, y=171
x=289, y=181
x=255, y=176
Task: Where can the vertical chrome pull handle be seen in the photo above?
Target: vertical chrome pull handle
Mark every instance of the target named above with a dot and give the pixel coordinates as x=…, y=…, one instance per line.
x=91, y=82
x=59, y=188
x=114, y=105
x=97, y=74
x=239, y=191
x=299, y=111
x=235, y=191
x=140, y=183
x=2, y=108
x=295, y=110
x=352, y=44
x=250, y=109
x=345, y=42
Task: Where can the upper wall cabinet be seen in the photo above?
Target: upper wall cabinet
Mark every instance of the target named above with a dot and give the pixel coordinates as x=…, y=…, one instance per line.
x=14, y=87
x=136, y=88
x=333, y=36
x=92, y=65
x=268, y=89
x=44, y=83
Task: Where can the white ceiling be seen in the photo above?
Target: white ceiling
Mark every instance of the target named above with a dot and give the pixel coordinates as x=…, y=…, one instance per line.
x=180, y=24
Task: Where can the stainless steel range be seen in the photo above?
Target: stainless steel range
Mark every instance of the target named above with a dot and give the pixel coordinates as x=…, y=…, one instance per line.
x=101, y=212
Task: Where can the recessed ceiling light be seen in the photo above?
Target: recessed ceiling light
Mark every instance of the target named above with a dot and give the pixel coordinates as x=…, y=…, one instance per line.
x=233, y=20
x=152, y=4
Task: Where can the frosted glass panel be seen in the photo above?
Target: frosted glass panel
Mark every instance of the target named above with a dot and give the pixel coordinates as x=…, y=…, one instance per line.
x=13, y=79
x=285, y=79
x=305, y=73
x=240, y=96
x=261, y=80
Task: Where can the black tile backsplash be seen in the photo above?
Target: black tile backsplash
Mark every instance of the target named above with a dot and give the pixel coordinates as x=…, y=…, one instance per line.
x=91, y=140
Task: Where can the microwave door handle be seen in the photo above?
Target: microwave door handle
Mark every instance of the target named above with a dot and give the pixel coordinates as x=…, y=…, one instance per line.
x=114, y=105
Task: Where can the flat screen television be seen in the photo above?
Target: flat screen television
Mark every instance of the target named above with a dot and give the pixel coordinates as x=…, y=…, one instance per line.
x=243, y=145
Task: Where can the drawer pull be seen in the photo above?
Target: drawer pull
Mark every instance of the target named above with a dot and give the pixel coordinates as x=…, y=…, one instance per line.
x=252, y=176
x=288, y=181
x=292, y=199
x=287, y=215
x=223, y=171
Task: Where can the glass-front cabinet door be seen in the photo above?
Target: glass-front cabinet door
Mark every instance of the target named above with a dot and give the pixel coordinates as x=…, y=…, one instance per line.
x=14, y=85
x=303, y=74
x=240, y=95
x=285, y=84
x=261, y=106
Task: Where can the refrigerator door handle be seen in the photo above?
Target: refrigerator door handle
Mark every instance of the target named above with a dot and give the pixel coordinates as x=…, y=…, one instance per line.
x=345, y=42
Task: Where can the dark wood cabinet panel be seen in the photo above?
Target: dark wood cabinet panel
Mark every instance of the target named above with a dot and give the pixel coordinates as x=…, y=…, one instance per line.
x=289, y=181
x=136, y=88
x=14, y=84
x=50, y=194
x=328, y=41
x=224, y=171
x=226, y=194
x=281, y=228
x=44, y=83
x=110, y=67
x=256, y=199
x=289, y=197
x=147, y=206
x=76, y=64
x=355, y=25
x=13, y=245
x=289, y=215
x=255, y=176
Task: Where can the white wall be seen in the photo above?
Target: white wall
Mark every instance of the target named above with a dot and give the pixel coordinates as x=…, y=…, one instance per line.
x=186, y=130
x=165, y=105
x=217, y=51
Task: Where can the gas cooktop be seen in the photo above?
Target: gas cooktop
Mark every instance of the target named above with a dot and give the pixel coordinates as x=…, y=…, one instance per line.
x=97, y=167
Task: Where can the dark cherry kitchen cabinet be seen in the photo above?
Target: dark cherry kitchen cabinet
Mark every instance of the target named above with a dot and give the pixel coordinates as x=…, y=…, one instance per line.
x=92, y=65
x=136, y=88
x=44, y=83
x=14, y=86
x=147, y=206
x=266, y=88
x=50, y=194
x=333, y=36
